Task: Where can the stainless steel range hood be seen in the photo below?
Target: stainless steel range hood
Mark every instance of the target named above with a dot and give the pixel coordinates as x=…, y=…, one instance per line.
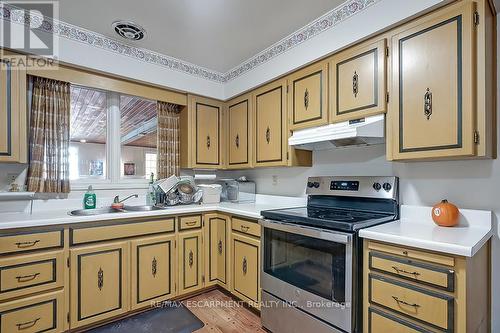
x=361, y=132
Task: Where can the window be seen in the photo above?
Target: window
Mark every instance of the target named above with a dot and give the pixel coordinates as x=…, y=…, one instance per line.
x=150, y=164
x=87, y=148
x=138, y=123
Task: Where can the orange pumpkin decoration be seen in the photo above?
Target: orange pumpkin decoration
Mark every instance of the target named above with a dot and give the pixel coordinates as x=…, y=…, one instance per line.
x=445, y=214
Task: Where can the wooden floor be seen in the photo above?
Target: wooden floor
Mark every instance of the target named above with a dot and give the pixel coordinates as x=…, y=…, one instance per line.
x=221, y=314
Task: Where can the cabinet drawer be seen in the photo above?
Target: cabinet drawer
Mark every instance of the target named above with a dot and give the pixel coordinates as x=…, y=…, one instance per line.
x=119, y=231
x=31, y=241
x=189, y=222
x=382, y=322
x=26, y=274
x=246, y=227
x=413, y=254
x=42, y=313
x=410, y=269
x=419, y=303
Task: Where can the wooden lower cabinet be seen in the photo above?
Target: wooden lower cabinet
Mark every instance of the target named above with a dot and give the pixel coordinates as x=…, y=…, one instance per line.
x=216, y=249
x=190, y=247
x=99, y=282
x=153, y=271
x=40, y=313
x=245, y=265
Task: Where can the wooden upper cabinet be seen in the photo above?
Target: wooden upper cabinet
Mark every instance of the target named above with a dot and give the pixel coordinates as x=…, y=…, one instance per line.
x=358, y=81
x=201, y=135
x=240, y=116
x=307, y=96
x=433, y=87
x=13, y=116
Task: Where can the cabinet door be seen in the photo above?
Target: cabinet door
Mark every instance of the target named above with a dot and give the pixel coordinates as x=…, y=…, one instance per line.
x=207, y=134
x=13, y=118
x=240, y=129
x=153, y=270
x=358, y=81
x=216, y=226
x=99, y=282
x=246, y=268
x=433, y=87
x=307, y=91
x=270, y=125
x=190, y=261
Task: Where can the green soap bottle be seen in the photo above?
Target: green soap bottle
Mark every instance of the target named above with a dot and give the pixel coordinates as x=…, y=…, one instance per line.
x=89, y=199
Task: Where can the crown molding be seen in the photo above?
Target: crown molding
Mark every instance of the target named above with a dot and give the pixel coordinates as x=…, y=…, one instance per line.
x=97, y=40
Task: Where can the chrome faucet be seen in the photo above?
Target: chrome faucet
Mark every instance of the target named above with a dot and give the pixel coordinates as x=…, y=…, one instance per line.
x=117, y=200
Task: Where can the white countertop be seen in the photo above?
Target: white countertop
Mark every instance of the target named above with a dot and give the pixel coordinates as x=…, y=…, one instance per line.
x=60, y=216
x=416, y=229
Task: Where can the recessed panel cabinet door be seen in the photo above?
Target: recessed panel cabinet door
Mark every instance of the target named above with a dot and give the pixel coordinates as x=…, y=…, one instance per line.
x=207, y=134
x=153, y=271
x=245, y=267
x=270, y=129
x=358, y=82
x=308, y=96
x=217, y=226
x=190, y=261
x=99, y=282
x=433, y=108
x=240, y=123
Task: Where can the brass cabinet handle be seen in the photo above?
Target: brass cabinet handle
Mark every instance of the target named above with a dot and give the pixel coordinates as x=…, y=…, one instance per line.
x=190, y=223
x=306, y=99
x=355, y=84
x=244, y=265
x=27, y=278
x=208, y=141
x=154, y=267
x=23, y=245
x=237, y=141
x=399, y=271
x=220, y=246
x=191, y=258
x=428, y=104
x=244, y=228
x=415, y=305
x=268, y=134
x=28, y=324
x=100, y=278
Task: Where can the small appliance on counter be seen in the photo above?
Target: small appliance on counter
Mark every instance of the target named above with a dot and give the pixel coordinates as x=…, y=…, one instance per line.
x=211, y=193
x=238, y=190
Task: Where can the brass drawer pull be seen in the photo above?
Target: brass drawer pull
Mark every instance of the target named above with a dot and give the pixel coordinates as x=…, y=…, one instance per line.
x=306, y=99
x=244, y=265
x=220, y=246
x=100, y=278
x=27, y=278
x=237, y=141
x=208, y=141
x=415, y=305
x=191, y=223
x=428, y=104
x=244, y=228
x=23, y=245
x=154, y=267
x=268, y=135
x=26, y=325
x=399, y=271
x=191, y=258
x=355, y=84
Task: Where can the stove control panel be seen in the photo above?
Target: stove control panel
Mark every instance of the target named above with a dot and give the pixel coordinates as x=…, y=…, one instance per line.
x=362, y=186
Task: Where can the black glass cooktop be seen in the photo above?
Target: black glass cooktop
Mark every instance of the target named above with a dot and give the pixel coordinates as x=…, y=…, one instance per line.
x=328, y=218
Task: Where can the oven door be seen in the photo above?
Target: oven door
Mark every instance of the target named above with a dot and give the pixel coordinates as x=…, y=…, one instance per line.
x=310, y=268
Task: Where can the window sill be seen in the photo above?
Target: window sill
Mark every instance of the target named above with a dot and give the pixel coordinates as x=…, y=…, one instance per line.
x=80, y=185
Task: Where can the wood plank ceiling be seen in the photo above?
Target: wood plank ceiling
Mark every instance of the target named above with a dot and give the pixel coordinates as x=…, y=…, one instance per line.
x=88, y=118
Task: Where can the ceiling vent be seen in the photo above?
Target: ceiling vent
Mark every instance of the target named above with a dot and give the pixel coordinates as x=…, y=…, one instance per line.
x=129, y=30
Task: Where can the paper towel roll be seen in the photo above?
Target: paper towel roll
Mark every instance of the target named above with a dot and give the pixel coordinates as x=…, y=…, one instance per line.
x=205, y=177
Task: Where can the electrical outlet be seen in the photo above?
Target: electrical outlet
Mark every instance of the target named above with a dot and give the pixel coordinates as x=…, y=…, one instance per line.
x=275, y=180
x=11, y=178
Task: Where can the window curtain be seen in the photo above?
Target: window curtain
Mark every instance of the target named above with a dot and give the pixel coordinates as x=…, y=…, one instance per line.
x=168, y=161
x=48, y=170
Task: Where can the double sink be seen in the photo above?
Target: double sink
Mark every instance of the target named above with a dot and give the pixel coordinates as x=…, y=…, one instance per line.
x=110, y=210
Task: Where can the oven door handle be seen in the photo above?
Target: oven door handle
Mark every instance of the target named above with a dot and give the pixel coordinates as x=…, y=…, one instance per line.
x=330, y=235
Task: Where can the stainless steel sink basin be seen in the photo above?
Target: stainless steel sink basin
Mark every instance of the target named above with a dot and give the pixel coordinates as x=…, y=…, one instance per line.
x=109, y=210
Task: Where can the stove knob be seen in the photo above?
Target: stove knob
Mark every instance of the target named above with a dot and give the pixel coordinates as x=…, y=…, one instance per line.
x=377, y=186
x=387, y=187
x=316, y=184
x=310, y=184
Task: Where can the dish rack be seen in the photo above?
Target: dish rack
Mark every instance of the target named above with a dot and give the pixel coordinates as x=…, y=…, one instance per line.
x=175, y=190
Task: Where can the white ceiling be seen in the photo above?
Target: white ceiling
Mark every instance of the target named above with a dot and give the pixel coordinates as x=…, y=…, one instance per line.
x=216, y=34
